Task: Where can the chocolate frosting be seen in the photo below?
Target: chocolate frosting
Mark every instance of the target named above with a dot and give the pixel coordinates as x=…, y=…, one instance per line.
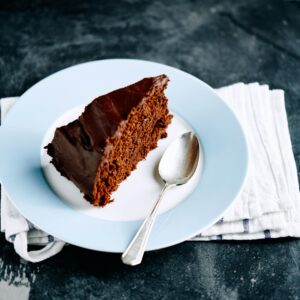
x=77, y=148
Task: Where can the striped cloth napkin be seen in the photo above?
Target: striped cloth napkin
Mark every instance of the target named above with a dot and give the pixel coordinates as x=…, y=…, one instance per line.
x=268, y=207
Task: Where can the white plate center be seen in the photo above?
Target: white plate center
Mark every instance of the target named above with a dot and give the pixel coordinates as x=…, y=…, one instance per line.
x=136, y=194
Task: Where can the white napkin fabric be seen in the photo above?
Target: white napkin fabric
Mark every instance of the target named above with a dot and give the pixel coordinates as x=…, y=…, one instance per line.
x=269, y=205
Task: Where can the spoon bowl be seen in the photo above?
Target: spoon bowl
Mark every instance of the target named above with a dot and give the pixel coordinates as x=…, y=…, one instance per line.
x=179, y=162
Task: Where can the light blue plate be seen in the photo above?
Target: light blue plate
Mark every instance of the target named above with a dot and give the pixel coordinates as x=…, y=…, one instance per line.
x=223, y=141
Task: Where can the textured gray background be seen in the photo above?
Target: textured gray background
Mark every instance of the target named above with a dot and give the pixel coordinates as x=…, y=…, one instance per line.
x=221, y=42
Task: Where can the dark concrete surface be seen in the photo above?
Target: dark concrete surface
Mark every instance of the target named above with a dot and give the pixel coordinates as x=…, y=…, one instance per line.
x=221, y=42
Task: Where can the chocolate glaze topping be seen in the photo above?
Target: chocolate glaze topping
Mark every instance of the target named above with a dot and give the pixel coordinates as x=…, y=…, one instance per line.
x=77, y=147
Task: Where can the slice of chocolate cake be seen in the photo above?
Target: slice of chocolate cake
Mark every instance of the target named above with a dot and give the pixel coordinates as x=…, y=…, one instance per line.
x=99, y=150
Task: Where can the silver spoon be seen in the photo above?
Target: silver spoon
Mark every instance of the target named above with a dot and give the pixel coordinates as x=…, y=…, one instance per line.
x=176, y=167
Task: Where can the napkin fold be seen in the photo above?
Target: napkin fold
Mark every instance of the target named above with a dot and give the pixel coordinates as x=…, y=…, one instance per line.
x=268, y=206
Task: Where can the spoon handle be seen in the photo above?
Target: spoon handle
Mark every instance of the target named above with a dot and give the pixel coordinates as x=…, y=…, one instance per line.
x=133, y=255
